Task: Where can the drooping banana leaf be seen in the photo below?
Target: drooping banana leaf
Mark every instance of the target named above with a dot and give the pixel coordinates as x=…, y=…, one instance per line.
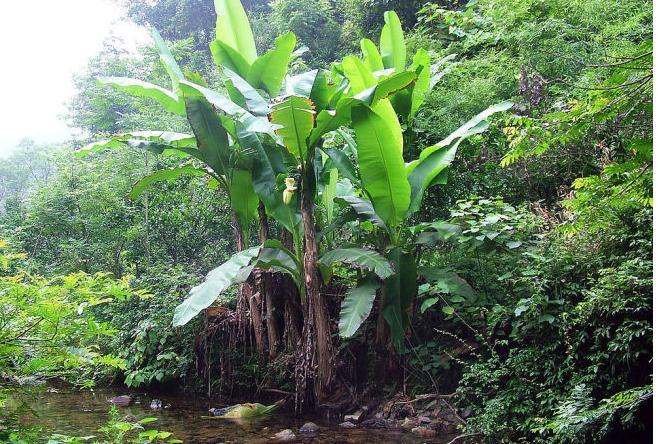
x=244, y=411
x=356, y=306
x=363, y=209
x=225, y=56
x=212, y=139
x=168, y=174
x=269, y=162
x=381, y=166
x=275, y=257
x=138, y=88
x=359, y=257
x=234, y=271
x=250, y=122
x=244, y=94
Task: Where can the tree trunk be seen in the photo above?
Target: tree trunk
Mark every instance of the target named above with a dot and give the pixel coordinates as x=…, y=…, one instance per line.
x=247, y=299
x=265, y=289
x=289, y=293
x=316, y=324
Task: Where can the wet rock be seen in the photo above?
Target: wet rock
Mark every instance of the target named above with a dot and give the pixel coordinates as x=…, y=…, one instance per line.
x=122, y=400
x=424, y=420
x=284, y=436
x=355, y=417
x=309, y=428
x=424, y=431
x=346, y=425
x=409, y=423
x=129, y=418
x=156, y=404
x=218, y=411
x=381, y=423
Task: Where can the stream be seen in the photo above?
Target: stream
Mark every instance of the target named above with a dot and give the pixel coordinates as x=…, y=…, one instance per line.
x=81, y=412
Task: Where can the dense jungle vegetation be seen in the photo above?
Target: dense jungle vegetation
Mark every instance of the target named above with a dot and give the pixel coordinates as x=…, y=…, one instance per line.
x=350, y=202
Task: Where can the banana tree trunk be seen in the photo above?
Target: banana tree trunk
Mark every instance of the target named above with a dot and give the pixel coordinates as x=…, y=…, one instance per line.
x=247, y=299
x=265, y=289
x=316, y=324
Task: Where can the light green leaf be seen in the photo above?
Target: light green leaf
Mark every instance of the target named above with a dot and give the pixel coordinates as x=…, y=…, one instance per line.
x=269, y=70
x=356, y=307
x=381, y=166
x=167, y=60
x=225, y=56
x=296, y=117
x=234, y=271
x=424, y=173
x=466, y=128
x=371, y=55
x=233, y=28
x=391, y=42
x=427, y=303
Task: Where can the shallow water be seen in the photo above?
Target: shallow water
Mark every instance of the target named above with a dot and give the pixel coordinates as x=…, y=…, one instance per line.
x=72, y=412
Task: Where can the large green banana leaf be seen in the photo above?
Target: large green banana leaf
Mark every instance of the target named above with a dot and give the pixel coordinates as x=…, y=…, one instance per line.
x=268, y=163
x=371, y=55
x=234, y=30
x=269, y=70
x=296, y=117
x=234, y=271
x=167, y=60
x=138, y=88
x=381, y=165
x=356, y=307
x=168, y=174
x=244, y=200
x=212, y=139
x=359, y=257
x=391, y=42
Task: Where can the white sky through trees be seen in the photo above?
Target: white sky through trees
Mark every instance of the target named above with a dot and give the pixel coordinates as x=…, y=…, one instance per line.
x=42, y=44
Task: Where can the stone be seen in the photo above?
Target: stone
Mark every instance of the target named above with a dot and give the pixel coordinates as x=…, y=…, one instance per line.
x=309, y=427
x=424, y=420
x=409, y=423
x=284, y=436
x=122, y=400
x=355, y=417
x=129, y=418
x=375, y=423
x=156, y=404
x=424, y=431
x=346, y=425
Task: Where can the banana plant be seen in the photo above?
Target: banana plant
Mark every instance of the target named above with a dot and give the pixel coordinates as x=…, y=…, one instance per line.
x=390, y=191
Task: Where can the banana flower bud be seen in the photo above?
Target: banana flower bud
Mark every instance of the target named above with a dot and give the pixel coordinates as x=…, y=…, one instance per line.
x=289, y=192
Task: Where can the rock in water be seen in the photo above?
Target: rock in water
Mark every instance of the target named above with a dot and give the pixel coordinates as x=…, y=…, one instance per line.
x=346, y=425
x=156, y=404
x=409, y=423
x=309, y=427
x=354, y=417
x=423, y=431
x=122, y=400
x=284, y=436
